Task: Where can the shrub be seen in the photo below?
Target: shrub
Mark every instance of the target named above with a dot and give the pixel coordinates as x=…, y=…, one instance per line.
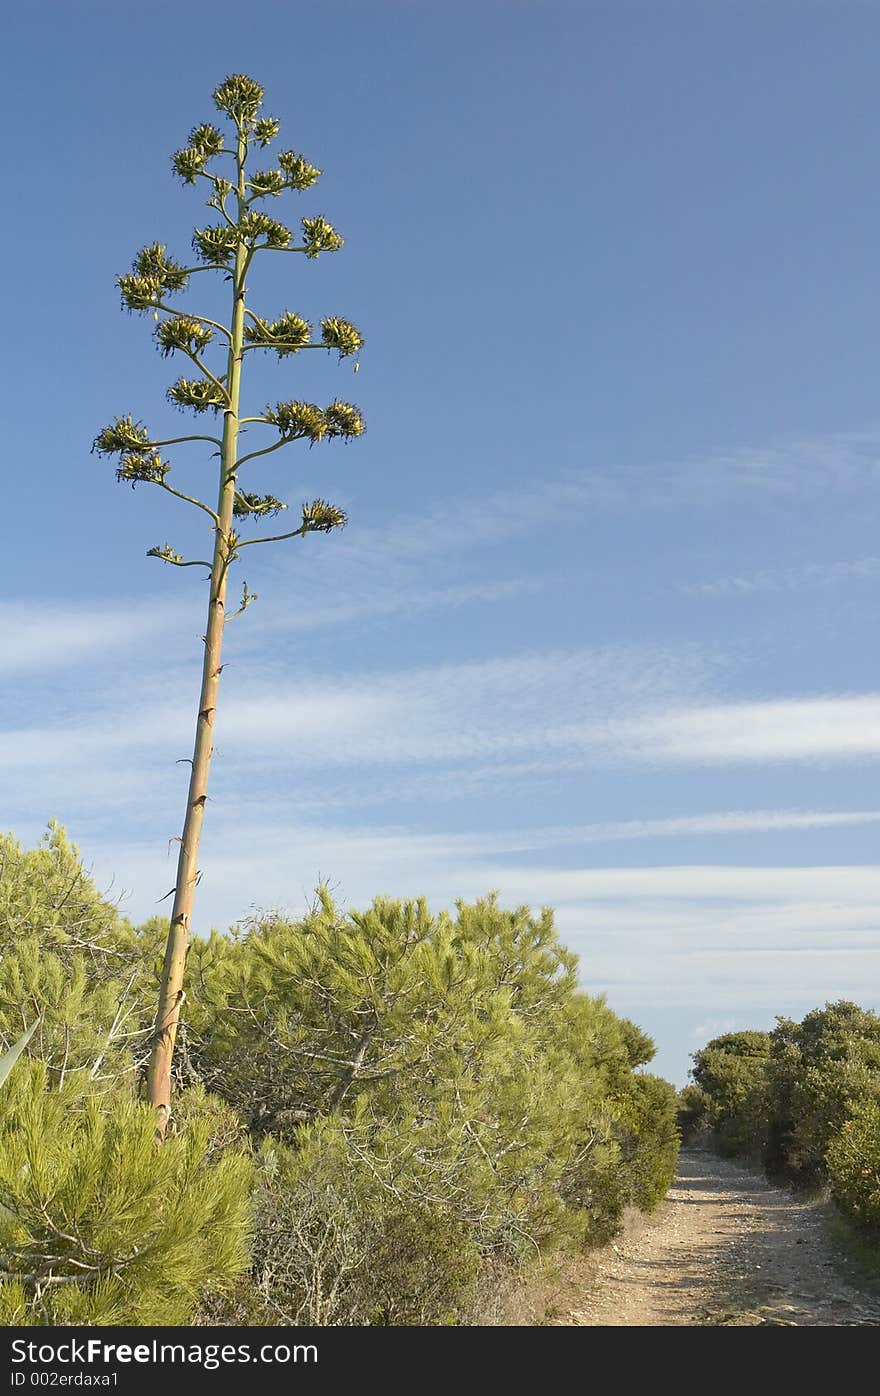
x=332, y=1246
x=456, y=1054
x=854, y=1164
x=97, y=1225
x=815, y=1069
x=651, y=1153
x=807, y=1097
x=69, y=960
x=692, y=1113
x=46, y=892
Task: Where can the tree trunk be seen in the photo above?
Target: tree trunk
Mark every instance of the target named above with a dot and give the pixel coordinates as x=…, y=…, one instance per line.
x=171, y=993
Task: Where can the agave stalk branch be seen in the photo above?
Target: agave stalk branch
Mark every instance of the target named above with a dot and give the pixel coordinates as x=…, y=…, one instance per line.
x=219, y=384
x=178, y=562
x=178, y=440
x=267, y=450
x=276, y=537
x=188, y=499
x=282, y=344
x=215, y=324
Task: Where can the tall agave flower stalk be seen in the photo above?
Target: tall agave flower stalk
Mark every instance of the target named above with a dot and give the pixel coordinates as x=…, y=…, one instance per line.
x=228, y=247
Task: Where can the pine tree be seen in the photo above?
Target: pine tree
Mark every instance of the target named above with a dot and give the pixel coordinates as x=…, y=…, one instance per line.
x=455, y=1055
x=227, y=247
x=70, y=964
x=97, y=1225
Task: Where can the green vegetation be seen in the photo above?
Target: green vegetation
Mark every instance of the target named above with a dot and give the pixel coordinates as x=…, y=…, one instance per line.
x=804, y=1100
x=377, y=1111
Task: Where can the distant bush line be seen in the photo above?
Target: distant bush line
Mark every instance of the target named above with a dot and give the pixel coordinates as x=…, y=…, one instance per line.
x=802, y=1100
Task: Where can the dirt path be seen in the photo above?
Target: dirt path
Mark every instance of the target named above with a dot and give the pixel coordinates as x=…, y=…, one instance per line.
x=726, y=1248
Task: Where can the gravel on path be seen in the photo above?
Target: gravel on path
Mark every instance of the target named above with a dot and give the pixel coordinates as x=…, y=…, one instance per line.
x=727, y=1248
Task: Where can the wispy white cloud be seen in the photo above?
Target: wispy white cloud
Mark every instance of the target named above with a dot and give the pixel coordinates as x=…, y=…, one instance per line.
x=268, y=824
x=508, y=720
x=609, y=708
x=699, y=882
x=805, y=729
x=785, y=579
x=41, y=636
x=248, y=858
x=845, y=463
x=712, y=1027
x=459, y=712
x=723, y=822
x=467, y=724
x=402, y=565
x=386, y=599
x=689, y=935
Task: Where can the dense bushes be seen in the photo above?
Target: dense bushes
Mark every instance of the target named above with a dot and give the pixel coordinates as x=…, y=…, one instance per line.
x=375, y=1111
x=803, y=1099
x=437, y=1092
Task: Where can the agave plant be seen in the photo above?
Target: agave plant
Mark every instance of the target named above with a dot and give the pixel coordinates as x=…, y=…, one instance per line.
x=227, y=248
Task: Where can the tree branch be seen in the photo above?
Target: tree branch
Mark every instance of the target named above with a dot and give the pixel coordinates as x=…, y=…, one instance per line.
x=285, y=441
x=187, y=498
x=202, y=367
x=276, y=538
x=173, y=562
x=282, y=344
x=203, y=319
x=176, y=440
x=247, y=599
x=203, y=266
x=220, y=207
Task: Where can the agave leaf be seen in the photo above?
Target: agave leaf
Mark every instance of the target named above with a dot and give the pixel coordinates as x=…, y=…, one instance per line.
x=8, y=1060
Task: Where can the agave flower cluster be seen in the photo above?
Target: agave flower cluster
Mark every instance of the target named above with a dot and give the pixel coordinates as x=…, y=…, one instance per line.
x=185, y=333
x=139, y=461
x=256, y=506
x=291, y=332
x=156, y=277
x=321, y=517
x=153, y=274
x=305, y=421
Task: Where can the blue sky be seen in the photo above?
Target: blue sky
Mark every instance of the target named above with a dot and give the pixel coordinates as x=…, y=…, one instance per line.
x=601, y=631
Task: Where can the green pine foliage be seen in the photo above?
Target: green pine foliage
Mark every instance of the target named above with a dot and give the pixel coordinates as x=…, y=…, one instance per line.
x=651, y=1150
x=434, y=1066
x=68, y=959
x=97, y=1224
x=376, y=1111
x=47, y=891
